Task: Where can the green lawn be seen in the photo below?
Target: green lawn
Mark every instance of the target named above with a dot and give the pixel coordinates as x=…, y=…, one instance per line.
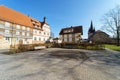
x=113, y=47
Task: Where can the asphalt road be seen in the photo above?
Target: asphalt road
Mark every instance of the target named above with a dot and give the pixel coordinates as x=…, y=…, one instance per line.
x=61, y=64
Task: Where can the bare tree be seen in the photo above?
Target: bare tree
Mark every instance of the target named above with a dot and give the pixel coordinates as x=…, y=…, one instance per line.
x=112, y=22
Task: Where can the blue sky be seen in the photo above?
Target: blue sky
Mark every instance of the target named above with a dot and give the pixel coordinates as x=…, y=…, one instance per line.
x=64, y=13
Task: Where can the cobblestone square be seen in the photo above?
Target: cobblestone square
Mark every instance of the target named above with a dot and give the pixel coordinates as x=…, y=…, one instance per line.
x=61, y=64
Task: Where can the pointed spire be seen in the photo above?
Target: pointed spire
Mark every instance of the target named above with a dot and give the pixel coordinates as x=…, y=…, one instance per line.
x=91, y=29
x=91, y=25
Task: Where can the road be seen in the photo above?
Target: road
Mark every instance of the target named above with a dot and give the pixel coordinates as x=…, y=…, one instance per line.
x=61, y=64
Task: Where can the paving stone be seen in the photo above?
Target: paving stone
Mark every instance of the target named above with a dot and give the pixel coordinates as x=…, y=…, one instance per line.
x=40, y=65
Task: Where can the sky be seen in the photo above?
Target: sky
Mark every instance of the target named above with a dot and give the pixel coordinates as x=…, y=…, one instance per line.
x=64, y=13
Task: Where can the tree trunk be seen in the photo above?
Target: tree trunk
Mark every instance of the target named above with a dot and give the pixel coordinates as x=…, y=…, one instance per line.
x=118, y=38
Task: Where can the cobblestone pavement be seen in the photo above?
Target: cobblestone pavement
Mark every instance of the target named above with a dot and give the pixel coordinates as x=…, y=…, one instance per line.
x=61, y=64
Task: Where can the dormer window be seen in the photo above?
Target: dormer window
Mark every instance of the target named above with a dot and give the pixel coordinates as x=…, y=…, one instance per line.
x=33, y=24
x=38, y=26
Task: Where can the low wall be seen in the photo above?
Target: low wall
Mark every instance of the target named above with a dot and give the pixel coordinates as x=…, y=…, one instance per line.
x=39, y=47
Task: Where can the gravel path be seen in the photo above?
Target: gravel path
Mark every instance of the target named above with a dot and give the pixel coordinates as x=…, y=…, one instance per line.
x=61, y=64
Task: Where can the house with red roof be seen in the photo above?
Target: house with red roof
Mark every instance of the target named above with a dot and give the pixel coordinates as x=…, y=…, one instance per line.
x=16, y=28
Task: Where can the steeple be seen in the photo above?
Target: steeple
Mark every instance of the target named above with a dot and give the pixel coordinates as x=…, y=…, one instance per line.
x=91, y=29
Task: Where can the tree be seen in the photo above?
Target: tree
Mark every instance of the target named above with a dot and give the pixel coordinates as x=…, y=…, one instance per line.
x=112, y=22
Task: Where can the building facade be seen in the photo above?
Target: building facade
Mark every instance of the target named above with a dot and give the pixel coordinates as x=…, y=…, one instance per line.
x=17, y=28
x=42, y=34
x=71, y=34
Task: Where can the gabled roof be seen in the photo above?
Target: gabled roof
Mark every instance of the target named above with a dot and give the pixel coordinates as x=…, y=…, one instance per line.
x=98, y=32
x=36, y=24
x=74, y=29
x=13, y=16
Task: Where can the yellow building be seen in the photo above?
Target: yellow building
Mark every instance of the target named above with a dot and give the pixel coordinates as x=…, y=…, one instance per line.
x=71, y=34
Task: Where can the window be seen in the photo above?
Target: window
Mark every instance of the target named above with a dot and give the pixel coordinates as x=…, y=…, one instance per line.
x=7, y=32
x=2, y=22
x=7, y=38
x=35, y=31
x=23, y=28
x=70, y=39
x=28, y=34
x=65, y=39
x=70, y=35
x=7, y=24
x=40, y=32
x=44, y=33
x=17, y=33
x=65, y=36
x=35, y=38
x=39, y=39
x=18, y=26
x=44, y=39
x=28, y=29
x=23, y=33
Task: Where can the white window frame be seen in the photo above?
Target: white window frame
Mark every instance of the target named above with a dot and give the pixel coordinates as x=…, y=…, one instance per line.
x=23, y=27
x=7, y=24
x=7, y=31
x=35, y=38
x=35, y=31
x=18, y=26
x=39, y=38
x=28, y=29
x=23, y=33
x=17, y=33
x=28, y=34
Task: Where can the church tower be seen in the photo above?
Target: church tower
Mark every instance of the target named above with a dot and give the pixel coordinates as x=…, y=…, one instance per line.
x=91, y=30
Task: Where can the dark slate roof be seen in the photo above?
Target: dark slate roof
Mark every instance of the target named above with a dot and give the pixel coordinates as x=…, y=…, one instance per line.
x=91, y=29
x=76, y=29
x=98, y=34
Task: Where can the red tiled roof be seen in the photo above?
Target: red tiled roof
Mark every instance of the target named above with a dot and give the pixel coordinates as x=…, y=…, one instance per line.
x=13, y=16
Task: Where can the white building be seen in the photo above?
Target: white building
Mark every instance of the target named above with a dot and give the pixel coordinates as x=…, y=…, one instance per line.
x=16, y=28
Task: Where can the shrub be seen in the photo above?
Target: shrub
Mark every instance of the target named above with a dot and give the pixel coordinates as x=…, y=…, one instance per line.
x=90, y=46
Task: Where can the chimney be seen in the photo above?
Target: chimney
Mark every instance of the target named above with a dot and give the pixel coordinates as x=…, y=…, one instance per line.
x=44, y=20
